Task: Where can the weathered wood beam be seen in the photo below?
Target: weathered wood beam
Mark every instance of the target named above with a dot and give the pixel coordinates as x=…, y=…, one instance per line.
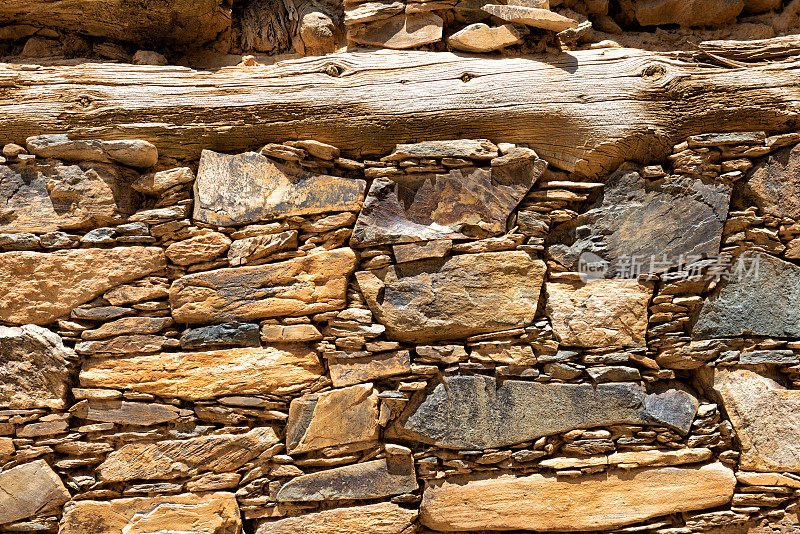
x=583, y=111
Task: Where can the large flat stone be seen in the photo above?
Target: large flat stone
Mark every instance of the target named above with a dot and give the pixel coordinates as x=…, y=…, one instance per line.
x=249, y=187
x=34, y=368
x=479, y=37
x=774, y=184
x=687, y=12
x=211, y=513
x=179, y=458
x=763, y=413
x=643, y=219
x=274, y=370
x=337, y=417
x=456, y=297
x=29, y=489
x=477, y=412
x=399, y=32
x=467, y=202
x=760, y=298
x=301, y=286
x=125, y=412
x=478, y=149
x=51, y=196
x=367, y=480
x=531, y=16
x=602, y=501
x=349, y=371
x=38, y=288
x=381, y=518
x=599, y=313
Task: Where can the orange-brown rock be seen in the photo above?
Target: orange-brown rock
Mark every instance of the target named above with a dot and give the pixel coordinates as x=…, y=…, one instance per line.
x=198, y=249
x=381, y=518
x=301, y=286
x=274, y=370
x=603, y=501
x=38, y=288
x=29, y=489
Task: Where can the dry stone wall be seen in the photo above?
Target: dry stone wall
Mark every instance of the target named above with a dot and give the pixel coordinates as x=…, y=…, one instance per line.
x=450, y=338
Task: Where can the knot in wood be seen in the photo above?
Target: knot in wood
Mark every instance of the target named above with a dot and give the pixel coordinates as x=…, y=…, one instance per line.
x=654, y=71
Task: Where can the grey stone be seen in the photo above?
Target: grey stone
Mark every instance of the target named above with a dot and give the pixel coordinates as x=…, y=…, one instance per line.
x=100, y=313
x=723, y=139
x=99, y=236
x=368, y=480
x=476, y=412
x=231, y=334
x=19, y=242
x=29, y=489
x=780, y=357
x=761, y=298
x=478, y=149
x=646, y=219
x=774, y=184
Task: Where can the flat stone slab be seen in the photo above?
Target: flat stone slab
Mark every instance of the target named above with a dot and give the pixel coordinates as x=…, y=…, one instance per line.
x=454, y=298
x=688, y=13
x=478, y=149
x=300, y=286
x=29, y=489
x=125, y=412
x=349, y=371
x=131, y=152
x=602, y=501
x=774, y=183
x=381, y=518
x=246, y=188
x=479, y=37
x=39, y=288
x=399, y=32
x=276, y=370
x=477, y=412
x=531, y=16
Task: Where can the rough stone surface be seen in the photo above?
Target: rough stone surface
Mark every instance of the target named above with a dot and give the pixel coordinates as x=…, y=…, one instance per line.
x=337, y=417
x=531, y=16
x=203, y=375
x=381, y=518
x=131, y=152
x=774, y=184
x=399, y=32
x=642, y=218
x=39, y=287
x=29, y=489
x=250, y=187
x=213, y=513
x=177, y=458
x=478, y=412
x=455, y=297
x=301, y=286
x=124, y=412
x=221, y=335
x=393, y=475
x=472, y=202
x=156, y=183
x=34, y=368
x=760, y=298
x=128, y=325
x=198, y=249
x=479, y=149
x=254, y=248
x=687, y=12
x=599, y=313
x=349, y=371
x=479, y=37
x=602, y=501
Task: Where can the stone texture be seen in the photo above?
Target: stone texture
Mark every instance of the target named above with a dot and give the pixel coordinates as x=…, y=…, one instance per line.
x=213, y=513
x=337, y=417
x=381, y=518
x=146, y=289
x=760, y=298
x=646, y=219
x=763, y=413
x=34, y=368
x=128, y=325
x=393, y=475
x=399, y=32
x=531, y=16
x=456, y=297
x=169, y=459
x=466, y=202
x=250, y=249
x=422, y=250
x=774, y=184
x=204, y=375
x=131, y=152
x=132, y=344
x=687, y=12
x=478, y=149
x=156, y=183
x=29, y=489
x=249, y=187
x=125, y=412
x=39, y=287
x=601, y=501
x=221, y=336
x=478, y=412
x=599, y=313
x=198, y=249
x=370, y=11
x=301, y=286
x=50, y=196
x=349, y=371
x=479, y=37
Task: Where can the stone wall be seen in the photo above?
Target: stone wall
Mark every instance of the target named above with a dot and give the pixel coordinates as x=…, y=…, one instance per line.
x=451, y=338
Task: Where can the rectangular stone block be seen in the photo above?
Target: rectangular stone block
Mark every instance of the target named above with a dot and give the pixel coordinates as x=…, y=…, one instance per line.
x=28, y=489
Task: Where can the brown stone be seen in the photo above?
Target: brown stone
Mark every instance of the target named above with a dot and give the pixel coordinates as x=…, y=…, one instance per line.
x=381, y=518
x=38, y=288
x=249, y=187
x=531, y=16
x=420, y=251
x=132, y=344
x=603, y=501
x=158, y=182
x=296, y=333
x=478, y=149
x=399, y=32
x=687, y=12
x=128, y=325
x=599, y=313
x=179, y=458
x=198, y=249
x=214, y=513
x=274, y=370
x=454, y=298
x=29, y=489
x=301, y=286
x=146, y=289
x=479, y=37
x=337, y=417
x=124, y=412
x=349, y=371
x=249, y=249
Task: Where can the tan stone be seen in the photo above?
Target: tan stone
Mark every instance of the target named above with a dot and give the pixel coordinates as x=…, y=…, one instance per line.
x=295, y=333
x=249, y=249
x=158, y=182
x=479, y=37
x=29, y=489
x=124, y=412
x=203, y=375
x=766, y=479
x=179, y=458
x=599, y=313
x=602, y=501
x=399, y=32
x=198, y=249
x=504, y=353
x=349, y=371
x=337, y=417
x=128, y=325
x=629, y=459
x=531, y=16
x=147, y=289
x=38, y=288
x=132, y=344
x=214, y=513
x=381, y=518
